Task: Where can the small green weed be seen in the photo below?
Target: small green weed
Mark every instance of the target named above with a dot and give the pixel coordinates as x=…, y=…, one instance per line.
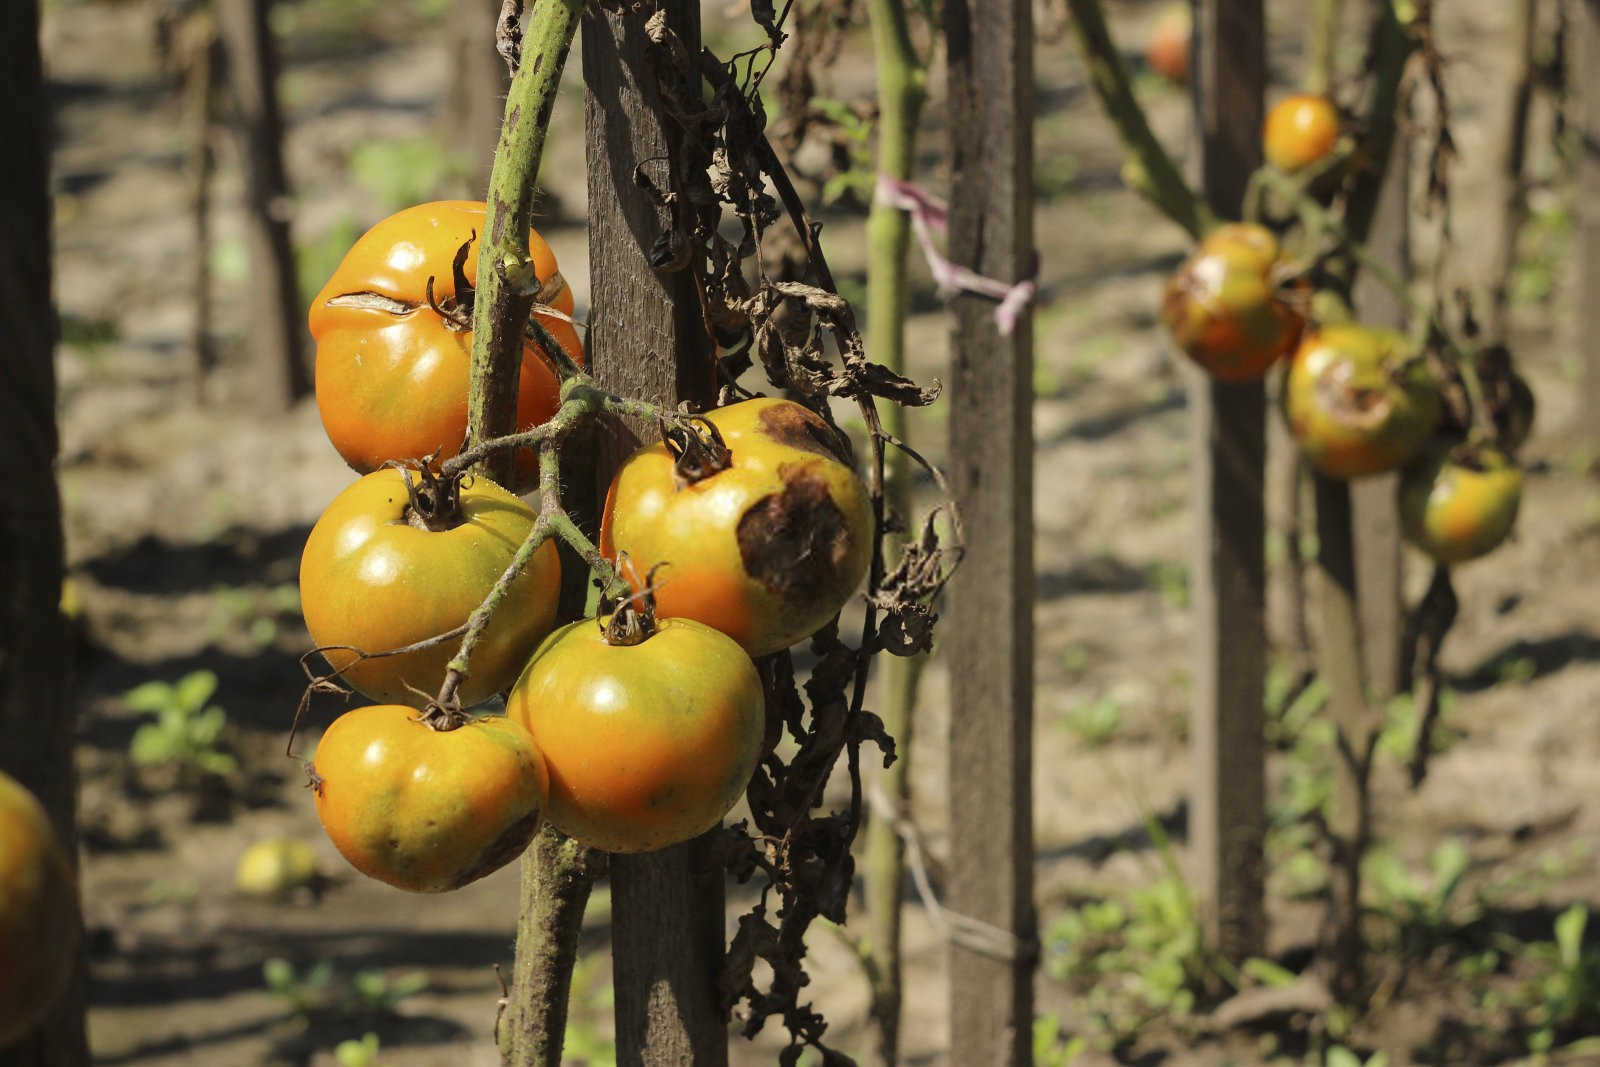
x=188, y=729
x=1095, y=722
x=1052, y=1047
x=320, y=994
x=1565, y=997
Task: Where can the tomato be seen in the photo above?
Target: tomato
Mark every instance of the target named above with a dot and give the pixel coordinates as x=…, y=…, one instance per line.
x=38, y=912
x=1357, y=403
x=1222, y=305
x=427, y=809
x=767, y=549
x=1299, y=130
x=647, y=744
x=391, y=373
x=1166, y=50
x=274, y=867
x=1459, y=505
x=371, y=579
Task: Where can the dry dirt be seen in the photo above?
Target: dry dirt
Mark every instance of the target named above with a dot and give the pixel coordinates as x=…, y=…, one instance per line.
x=184, y=525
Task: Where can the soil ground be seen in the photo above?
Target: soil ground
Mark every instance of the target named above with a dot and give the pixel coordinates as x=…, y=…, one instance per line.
x=185, y=521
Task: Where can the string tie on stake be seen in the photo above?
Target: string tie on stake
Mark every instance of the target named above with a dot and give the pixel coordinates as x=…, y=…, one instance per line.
x=929, y=213
x=972, y=934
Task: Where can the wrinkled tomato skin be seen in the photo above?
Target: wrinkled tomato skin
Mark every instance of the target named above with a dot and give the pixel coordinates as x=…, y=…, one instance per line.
x=647, y=745
x=1455, y=511
x=707, y=537
x=394, y=386
x=371, y=580
x=422, y=809
x=1299, y=130
x=1221, y=307
x=38, y=922
x=1354, y=402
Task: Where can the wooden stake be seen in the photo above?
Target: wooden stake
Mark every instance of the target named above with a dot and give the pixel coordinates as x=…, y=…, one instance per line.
x=277, y=319
x=990, y=48
x=647, y=340
x=1227, y=823
x=1587, y=71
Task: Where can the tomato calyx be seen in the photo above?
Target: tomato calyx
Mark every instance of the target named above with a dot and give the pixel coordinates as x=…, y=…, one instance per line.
x=697, y=448
x=435, y=500
x=456, y=311
x=444, y=717
x=633, y=621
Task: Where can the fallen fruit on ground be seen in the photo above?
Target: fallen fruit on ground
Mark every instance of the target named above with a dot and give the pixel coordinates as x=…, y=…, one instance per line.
x=423, y=808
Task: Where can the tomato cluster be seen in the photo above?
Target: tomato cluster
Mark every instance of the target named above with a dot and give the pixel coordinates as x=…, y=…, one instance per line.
x=742, y=531
x=1359, y=400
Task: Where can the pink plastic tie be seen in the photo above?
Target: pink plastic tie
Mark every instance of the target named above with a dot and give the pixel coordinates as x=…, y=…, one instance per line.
x=928, y=213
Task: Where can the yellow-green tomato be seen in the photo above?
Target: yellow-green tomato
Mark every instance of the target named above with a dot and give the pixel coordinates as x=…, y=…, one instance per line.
x=373, y=580
x=767, y=549
x=275, y=866
x=426, y=809
x=38, y=905
x=1356, y=402
x=1462, y=505
x=647, y=744
x=1222, y=307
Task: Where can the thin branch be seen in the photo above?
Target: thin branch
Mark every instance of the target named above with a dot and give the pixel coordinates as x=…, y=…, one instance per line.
x=507, y=282
x=1148, y=167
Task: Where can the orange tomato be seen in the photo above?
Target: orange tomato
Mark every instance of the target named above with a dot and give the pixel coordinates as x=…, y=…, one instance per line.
x=38, y=912
x=1459, y=505
x=1299, y=130
x=647, y=744
x=1166, y=50
x=391, y=372
x=1356, y=402
x=425, y=809
x=766, y=550
x=371, y=579
x=1222, y=307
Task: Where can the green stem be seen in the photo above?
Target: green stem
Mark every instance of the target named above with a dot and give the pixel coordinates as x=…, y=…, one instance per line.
x=1322, y=38
x=557, y=875
x=507, y=282
x=902, y=89
x=1148, y=167
x=554, y=893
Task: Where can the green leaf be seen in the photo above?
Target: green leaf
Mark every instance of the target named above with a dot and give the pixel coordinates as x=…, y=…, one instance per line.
x=1449, y=861
x=1570, y=925
x=220, y=764
x=151, y=696
x=194, y=689
x=278, y=974
x=363, y=1053
x=1268, y=973
x=1339, y=1056
x=151, y=745
x=408, y=985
